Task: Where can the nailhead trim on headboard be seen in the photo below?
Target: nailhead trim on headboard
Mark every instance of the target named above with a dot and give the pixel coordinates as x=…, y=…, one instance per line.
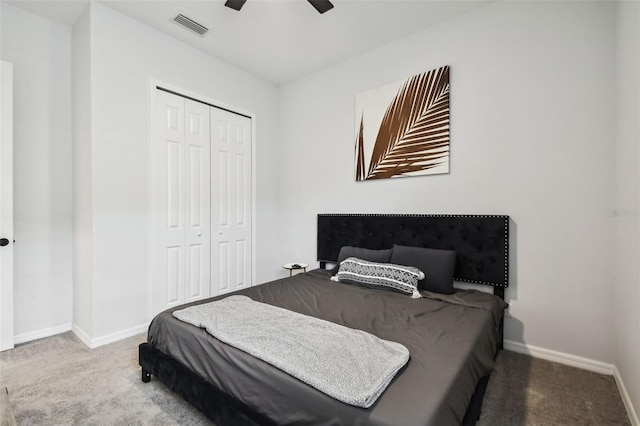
x=486, y=262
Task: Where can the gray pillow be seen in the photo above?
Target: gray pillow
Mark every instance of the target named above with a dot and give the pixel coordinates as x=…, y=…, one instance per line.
x=385, y=276
x=381, y=256
x=438, y=266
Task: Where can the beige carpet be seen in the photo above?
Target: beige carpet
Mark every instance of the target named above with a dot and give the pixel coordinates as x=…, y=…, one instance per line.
x=59, y=381
x=529, y=391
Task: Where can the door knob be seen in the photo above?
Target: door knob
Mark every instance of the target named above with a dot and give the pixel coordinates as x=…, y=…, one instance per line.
x=4, y=242
x=199, y=234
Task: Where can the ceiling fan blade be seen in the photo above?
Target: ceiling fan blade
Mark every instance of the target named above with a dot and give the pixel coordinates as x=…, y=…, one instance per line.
x=321, y=6
x=235, y=4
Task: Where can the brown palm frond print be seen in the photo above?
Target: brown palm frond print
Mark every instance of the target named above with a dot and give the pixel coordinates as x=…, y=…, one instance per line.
x=414, y=132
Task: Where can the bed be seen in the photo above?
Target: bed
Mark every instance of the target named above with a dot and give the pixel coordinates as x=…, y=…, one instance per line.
x=452, y=339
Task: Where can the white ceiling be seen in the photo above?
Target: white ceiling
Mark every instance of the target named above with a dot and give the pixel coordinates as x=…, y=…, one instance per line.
x=277, y=40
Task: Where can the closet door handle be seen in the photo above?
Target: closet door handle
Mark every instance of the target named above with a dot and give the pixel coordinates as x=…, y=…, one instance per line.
x=4, y=242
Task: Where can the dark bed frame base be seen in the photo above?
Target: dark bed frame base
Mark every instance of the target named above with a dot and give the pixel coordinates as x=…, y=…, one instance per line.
x=214, y=403
x=226, y=410
x=475, y=405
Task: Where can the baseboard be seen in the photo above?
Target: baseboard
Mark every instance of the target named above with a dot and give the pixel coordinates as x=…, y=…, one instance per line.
x=110, y=338
x=560, y=357
x=626, y=399
x=34, y=335
x=81, y=334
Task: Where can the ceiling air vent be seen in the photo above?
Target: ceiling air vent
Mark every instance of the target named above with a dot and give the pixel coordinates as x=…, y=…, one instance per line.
x=190, y=24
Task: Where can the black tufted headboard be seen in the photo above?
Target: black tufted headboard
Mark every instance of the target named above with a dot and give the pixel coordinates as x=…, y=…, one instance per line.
x=480, y=241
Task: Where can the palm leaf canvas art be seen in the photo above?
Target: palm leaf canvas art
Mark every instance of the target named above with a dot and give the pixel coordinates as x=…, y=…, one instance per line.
x=403, y=128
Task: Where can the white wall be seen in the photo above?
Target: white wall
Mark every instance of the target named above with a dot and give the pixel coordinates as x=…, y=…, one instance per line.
x=40, y=51
x=82, y=177
x=532, y=136
x=627, y=288
x=125, y=56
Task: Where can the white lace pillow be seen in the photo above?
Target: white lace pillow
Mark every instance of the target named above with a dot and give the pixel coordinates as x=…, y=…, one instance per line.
x=380, y=275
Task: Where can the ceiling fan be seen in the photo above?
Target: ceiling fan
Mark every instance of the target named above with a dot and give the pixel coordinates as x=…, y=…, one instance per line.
x=321, y=6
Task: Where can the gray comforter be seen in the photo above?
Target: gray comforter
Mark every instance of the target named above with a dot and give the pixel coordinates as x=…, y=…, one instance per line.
x=452, y=342
x=352, y=366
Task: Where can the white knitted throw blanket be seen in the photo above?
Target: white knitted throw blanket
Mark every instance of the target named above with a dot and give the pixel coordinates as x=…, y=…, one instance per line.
x=349, y=365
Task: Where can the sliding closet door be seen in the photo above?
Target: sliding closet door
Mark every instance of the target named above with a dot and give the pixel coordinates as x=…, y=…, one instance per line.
x=183, y=217
x=231, y=201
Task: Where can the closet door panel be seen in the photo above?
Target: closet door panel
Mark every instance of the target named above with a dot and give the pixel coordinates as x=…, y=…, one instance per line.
x=231, y=189
x=182, y=216
x=170, y=162
x=198, y=199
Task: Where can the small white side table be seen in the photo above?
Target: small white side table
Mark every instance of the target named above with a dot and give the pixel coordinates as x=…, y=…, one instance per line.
x=295, y=267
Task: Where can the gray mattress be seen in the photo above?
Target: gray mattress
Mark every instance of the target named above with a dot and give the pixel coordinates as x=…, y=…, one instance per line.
x=451, y=339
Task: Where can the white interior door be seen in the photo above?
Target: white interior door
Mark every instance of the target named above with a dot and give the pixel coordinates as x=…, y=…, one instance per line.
x=198, y=199
x=231, y=201
x=6, y=206
x=183, y=221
